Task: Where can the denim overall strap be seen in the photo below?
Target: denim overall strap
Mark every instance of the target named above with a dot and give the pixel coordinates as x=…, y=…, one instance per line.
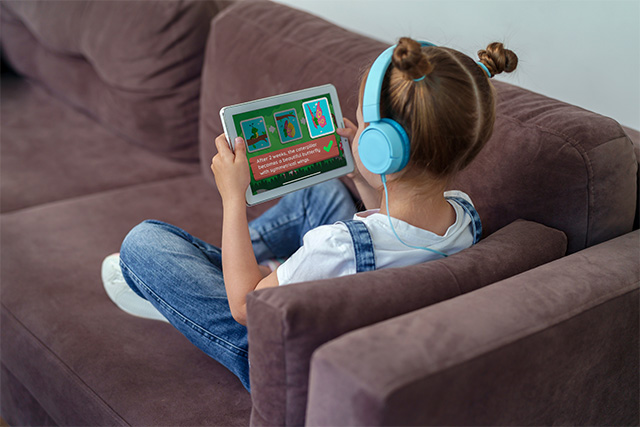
x=476, y=224
x=363, y=245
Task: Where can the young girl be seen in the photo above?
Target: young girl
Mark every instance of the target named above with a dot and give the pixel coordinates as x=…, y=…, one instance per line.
x=444, y=102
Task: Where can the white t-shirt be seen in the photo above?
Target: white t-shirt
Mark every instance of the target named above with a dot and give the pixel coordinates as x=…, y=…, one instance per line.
x=327, y=251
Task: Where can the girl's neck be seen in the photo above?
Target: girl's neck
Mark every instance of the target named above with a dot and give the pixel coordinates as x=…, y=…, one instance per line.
x=430, y=211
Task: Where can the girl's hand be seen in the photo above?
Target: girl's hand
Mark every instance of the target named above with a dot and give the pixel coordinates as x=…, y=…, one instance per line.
x=350, y=132
x=231, y=170
x=370, y=196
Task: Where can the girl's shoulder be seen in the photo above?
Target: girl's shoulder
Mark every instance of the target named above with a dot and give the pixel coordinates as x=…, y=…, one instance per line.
x=334, y=234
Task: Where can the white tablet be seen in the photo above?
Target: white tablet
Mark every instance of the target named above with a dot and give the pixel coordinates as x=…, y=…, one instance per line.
x=292, y=140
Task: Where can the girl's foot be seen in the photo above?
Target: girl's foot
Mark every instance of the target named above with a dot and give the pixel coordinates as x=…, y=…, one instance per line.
x=122, y=295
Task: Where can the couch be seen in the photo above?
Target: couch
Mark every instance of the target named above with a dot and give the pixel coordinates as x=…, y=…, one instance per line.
x=109, y=111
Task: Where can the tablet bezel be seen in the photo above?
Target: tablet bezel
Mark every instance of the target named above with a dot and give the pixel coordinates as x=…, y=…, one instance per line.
x=226, y=116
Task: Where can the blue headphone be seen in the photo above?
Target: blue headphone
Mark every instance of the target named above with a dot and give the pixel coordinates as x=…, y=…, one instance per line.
x=384, y=145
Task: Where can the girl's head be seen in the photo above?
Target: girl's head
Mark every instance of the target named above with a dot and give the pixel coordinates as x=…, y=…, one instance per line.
x=449, y=114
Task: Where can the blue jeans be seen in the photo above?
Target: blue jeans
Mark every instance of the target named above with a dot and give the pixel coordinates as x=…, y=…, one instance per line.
x=181, y=275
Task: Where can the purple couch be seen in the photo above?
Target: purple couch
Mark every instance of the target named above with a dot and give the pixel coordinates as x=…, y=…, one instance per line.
x=110, y=119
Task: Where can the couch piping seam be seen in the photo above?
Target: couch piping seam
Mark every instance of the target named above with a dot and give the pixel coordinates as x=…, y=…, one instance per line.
x=12, y=372
x=56, y=359
x=98, y=193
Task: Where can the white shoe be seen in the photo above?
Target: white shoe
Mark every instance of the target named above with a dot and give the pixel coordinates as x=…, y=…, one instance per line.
x=122, y=295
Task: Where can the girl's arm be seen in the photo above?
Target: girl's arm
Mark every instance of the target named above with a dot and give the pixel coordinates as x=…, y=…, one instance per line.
x=239, y=266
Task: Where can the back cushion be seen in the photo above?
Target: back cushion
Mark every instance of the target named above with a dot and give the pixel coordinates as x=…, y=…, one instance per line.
x=133, y=65
x=547, y=161
x=556, y=164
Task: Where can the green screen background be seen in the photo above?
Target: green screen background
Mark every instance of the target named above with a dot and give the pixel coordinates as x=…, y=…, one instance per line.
x=276, y=144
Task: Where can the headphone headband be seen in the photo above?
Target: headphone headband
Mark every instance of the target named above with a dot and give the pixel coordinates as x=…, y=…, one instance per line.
x=373, y=85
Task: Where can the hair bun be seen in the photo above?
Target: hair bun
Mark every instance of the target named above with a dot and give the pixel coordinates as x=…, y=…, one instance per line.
x=409, y=58
x=498, y=59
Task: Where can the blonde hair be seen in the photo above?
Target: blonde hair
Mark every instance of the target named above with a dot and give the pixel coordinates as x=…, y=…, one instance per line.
x=448, y=114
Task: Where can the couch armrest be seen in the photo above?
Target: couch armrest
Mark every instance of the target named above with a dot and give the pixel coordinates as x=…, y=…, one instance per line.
x=288, y=323
x=555, y=345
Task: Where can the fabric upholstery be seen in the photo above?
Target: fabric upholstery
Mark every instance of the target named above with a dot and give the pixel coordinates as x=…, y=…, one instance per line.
x=134, y=66
x=72, y=188
x=15, y=399
x=634, y=136
x=287, y=324
x=559, y=165
x=67, y=154
x=262, y=49
x=557, y=345
x=86, y=361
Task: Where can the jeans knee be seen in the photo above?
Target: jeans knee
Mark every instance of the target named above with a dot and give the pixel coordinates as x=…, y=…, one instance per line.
x=332, y=186
x=139, y=240
x=329, y=190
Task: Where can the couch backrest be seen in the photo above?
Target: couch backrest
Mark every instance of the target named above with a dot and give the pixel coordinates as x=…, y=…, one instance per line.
x=556, y=164
x=133, y=65
x=547, y=161
x=278, y=50
x=634, y=136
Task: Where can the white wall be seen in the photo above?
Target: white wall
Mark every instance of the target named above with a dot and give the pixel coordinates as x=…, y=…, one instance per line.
x=585, y=52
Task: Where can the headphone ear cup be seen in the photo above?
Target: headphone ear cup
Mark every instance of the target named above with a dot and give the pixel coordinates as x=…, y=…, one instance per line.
x=383, y=147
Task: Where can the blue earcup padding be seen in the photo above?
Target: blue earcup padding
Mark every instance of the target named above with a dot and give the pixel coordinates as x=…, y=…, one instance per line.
x=383, y=147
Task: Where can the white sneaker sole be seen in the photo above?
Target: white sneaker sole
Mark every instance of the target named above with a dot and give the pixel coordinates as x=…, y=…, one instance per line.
x=122, y=295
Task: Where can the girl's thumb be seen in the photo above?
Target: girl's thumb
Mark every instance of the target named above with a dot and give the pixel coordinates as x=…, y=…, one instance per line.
x=239, y=144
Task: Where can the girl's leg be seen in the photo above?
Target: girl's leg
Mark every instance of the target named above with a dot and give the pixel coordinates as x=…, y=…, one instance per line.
x=182, y=277
x=278, y=232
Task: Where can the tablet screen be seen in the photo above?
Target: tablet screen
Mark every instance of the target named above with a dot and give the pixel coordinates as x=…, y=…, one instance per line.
x=290, y=141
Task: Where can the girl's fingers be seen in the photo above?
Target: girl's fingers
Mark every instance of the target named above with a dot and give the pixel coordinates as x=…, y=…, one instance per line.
x=350, y=124
x=347, y=132
x=223, y=146
x=240, y=148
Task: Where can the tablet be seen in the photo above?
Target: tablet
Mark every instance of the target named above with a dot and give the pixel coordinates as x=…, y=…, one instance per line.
x=291, y=139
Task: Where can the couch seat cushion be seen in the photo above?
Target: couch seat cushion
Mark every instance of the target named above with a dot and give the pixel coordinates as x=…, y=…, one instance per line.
x=84, y=360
